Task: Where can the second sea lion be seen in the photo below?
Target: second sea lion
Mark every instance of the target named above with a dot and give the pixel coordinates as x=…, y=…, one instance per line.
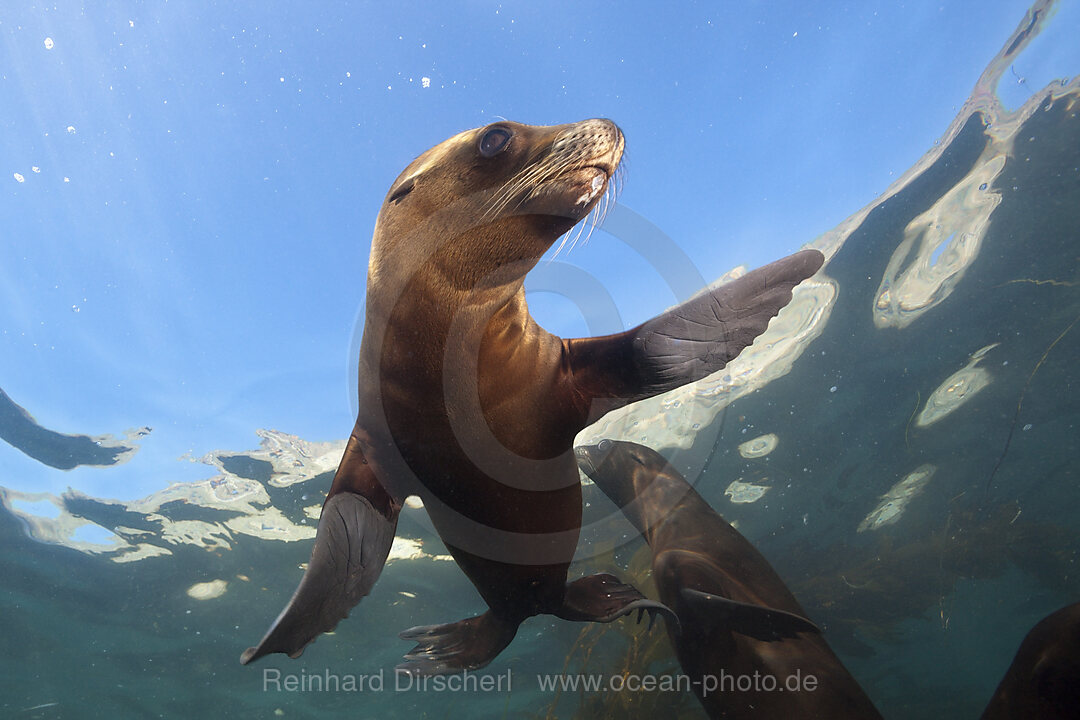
x=743, y=639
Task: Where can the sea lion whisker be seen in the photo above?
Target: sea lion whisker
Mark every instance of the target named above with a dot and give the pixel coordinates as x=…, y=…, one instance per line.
x=597, y=218
x=604, y=206
x=562, y=243
x=501, y=199
x=590, y=220
x=561, y=137
x=597, y=215
x=532, y=175
x=548, y=168
x=572, y=236
x=530, y=179
x=577, y=236
x=553, y=168
x=513, y=187
x=615, y=185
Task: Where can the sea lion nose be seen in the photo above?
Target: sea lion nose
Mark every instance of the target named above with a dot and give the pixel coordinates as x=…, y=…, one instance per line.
x=598, y=139
x=585, y=461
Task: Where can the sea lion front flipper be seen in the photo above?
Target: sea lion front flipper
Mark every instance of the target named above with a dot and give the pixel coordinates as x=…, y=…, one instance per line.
x=351, y=546
x=468, y=644
x=689, y=341
x=756, y=621
x=603, y=598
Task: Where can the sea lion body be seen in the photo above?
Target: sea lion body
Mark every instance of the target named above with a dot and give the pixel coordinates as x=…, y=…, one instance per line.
x=737, y=618
x=1043, y=681
x=464, y=368
x=467, y=402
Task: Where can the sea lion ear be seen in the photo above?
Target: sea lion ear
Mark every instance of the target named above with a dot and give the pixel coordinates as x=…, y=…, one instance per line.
x=404, y=188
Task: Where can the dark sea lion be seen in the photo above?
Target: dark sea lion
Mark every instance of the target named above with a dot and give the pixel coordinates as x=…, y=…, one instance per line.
x=468, y=403
x=739, y=624
x=1043, y=682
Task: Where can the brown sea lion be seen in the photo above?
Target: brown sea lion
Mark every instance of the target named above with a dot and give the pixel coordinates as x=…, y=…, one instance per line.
x=468, y=403
x=1043, y=681
x=742, y=639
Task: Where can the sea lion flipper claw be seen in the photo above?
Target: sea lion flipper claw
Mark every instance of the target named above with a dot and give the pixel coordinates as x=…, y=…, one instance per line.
x=603, y=598
x=468, y=644
x=351, y=547
x=756, y=621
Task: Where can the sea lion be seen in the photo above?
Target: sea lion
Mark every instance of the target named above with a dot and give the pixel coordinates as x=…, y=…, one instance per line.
x=1043, y=681
x=743, y=639
x=467, y=402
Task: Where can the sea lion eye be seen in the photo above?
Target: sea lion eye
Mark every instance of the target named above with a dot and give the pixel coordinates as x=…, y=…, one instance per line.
x=493, y=141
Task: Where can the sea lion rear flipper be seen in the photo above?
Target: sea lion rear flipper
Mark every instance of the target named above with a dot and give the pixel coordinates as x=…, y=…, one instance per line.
x=468, y=644
x=689, y=341
x=351, y=546
x=603, y=598
x=756, y=621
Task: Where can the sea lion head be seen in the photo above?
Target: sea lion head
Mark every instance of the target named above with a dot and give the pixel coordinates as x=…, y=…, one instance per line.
x=493, y=198
x=624, y=469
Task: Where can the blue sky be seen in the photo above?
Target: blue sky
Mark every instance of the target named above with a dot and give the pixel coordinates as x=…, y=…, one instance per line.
x=190, y=252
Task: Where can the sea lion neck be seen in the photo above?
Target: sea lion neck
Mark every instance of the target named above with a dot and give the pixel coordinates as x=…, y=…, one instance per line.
x=444, y=298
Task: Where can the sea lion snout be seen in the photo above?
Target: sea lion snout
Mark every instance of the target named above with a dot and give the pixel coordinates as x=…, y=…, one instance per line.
x=591, y=457
x=597, y=142
x=592, y=150
x=585, y=459
x=570, y=170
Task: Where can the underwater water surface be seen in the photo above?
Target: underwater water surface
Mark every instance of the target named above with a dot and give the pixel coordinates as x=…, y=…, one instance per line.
x=901, y=445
